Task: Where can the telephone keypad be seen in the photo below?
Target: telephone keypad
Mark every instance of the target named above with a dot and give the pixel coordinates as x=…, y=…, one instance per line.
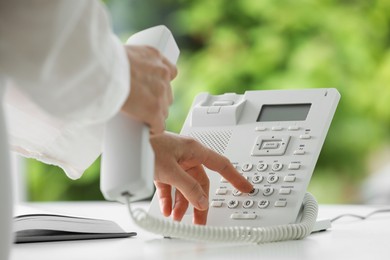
x=273, y=178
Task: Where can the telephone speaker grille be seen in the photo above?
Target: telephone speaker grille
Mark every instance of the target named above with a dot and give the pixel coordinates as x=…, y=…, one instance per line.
x=215, y=140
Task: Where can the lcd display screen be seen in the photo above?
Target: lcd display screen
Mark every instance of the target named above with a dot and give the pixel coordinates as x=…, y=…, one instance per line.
x=290, y=112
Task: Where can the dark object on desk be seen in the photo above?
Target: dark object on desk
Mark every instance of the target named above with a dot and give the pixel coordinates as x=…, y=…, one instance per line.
x=52, y=236
x=53, y=227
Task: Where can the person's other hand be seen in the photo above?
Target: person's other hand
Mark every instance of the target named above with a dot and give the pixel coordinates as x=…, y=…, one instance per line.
x=179, y=164
x=150, y=93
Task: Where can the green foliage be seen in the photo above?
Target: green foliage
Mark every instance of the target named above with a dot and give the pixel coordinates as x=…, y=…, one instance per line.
x=233, y=46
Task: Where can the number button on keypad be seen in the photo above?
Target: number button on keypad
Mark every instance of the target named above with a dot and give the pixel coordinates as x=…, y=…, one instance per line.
x=262, y=167
x=268, y=191
x=247, y=167
x=277, y=167
x=257, y=179
x=272, y=179
x=236, y=192
x=248, y=204
x=253, y=192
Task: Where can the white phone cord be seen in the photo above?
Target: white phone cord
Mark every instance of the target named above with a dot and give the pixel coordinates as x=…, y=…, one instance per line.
x=234, y=233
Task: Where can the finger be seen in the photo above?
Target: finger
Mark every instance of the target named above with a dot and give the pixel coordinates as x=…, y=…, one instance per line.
x=171, y=67
x=198, y=154
x=200, y=216
x=199, y=174
x=190, y=188
x=223, y=166
x=164, y=194
x=180, y=207
x=157, y=125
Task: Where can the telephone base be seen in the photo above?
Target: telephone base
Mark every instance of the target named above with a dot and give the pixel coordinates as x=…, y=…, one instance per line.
x=321, y=225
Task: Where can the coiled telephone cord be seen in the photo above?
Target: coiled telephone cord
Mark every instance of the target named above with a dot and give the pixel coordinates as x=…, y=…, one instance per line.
x=230, y=234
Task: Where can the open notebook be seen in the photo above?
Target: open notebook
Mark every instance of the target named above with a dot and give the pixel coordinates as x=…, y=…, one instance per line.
x=31, y=225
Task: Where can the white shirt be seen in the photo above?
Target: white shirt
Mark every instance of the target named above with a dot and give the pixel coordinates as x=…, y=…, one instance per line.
x=66, y=73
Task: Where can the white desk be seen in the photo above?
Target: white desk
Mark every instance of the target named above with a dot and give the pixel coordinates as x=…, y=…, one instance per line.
x=349, y=238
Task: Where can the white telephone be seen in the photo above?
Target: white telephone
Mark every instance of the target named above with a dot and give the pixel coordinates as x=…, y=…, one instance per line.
x=273, y=137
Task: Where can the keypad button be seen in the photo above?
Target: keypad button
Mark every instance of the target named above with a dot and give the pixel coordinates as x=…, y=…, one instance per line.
x=294, y=166
x=232, y=204
x=277, y=167
x=272, y=179
x=277, y=128
x=289, y=178
x=270, y=145
x=280, y=203
x=247, y=167
x=221, y=191
x=216, y=204
x=253, y=192
x=262, y=167
x=242, y=216
x=268, y=191
x=305, y=136
x=285, y=191
x=236, y=192
x=248, y=204
x=299, y=152
x=293, y=128
x=263, y=204
x=257, y=179
x=260, y=128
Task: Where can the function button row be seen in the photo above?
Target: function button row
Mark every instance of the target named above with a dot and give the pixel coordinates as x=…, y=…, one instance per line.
x=258, y=179
x=277, y=128
x=262, y=204
x=275, y=167
x=266, y=192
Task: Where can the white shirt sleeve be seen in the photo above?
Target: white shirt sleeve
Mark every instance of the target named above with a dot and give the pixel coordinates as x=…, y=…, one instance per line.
x=69, y=75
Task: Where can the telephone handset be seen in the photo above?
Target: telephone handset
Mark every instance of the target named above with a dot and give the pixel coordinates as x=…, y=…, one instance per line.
x=128, y=160
x=272, y=137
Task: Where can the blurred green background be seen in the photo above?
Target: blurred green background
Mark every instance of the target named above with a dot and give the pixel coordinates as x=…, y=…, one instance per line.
x=233, y=46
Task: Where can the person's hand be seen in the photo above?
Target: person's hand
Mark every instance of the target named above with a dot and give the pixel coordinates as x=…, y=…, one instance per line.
x=179, y=164
x=150, y=93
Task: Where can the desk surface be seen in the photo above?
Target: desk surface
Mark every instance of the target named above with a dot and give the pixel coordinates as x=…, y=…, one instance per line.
x=348, y=238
